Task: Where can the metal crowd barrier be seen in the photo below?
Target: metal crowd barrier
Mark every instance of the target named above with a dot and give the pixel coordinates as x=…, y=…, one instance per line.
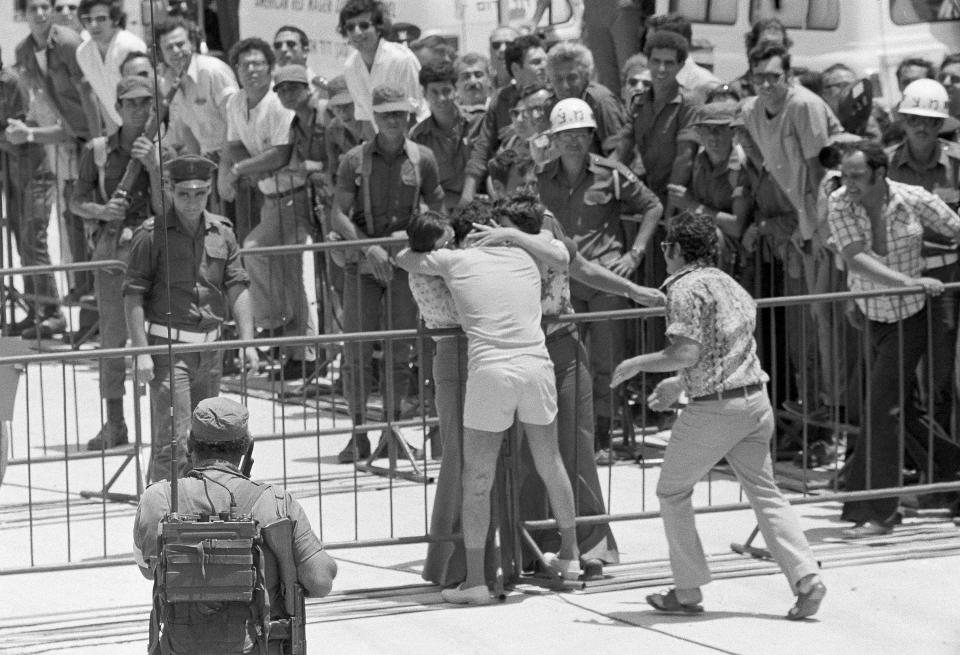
x=50, y=522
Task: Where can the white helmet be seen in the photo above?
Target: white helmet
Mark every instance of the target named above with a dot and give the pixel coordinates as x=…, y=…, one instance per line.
x=925, y=98
x=571, y=114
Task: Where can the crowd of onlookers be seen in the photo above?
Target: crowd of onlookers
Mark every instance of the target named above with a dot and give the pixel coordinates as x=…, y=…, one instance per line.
x=413, y=124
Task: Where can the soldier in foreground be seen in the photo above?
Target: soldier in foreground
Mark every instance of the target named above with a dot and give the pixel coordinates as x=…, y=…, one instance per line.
x=218, y=441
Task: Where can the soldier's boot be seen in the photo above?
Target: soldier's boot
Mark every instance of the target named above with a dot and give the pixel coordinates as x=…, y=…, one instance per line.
x=111, y=435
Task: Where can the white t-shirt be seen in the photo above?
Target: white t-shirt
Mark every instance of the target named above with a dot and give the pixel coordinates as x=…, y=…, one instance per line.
x=259, y=129
x=103, y=73
x=393, y=64
x=497, y=295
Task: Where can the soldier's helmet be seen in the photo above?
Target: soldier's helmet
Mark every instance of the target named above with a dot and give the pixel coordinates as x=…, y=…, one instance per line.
x=925, y=98
x=571, y=114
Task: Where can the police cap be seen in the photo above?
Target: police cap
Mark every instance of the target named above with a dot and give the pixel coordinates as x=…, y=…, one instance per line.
x=390, y=98
x=192, y=171
x=219, y=420
x=134, y=86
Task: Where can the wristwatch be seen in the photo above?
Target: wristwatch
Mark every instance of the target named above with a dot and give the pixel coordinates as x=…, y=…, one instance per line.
x=30, y=136
x=636, y=252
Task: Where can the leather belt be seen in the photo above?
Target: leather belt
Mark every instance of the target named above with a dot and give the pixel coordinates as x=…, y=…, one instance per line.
x=284, y=194
x=937, y=261
x=739, y=392
x=186, y=336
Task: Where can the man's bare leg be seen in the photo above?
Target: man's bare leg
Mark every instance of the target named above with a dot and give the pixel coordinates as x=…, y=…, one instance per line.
x=542, y=440
x=480, y=451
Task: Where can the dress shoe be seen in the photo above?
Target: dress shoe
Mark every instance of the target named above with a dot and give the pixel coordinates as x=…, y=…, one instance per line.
x=592, y=570
x=295, y=369
x=568, y=569
x=351, y=454
x=46, y=328
x=606, y=457
x=478, y=595
x=868, y=529
x=111, y=435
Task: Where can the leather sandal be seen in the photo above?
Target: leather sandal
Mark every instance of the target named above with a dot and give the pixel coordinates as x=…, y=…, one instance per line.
x=668, y=603
x=808, y=602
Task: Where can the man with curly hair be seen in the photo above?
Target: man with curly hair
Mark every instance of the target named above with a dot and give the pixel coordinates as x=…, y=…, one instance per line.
x=710, y=327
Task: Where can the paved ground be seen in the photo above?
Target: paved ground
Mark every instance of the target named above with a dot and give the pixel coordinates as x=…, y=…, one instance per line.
x=895, y=594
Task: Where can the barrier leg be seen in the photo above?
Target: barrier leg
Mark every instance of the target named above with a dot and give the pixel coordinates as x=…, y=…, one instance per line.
x=393, y=443
x=747, y=548
x=130, y=456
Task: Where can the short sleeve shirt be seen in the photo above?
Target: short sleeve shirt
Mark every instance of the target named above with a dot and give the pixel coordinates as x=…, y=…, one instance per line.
x=188, y=273
x=393, y=186
x=590, y=211
x=200, y=103
x=393, y=64
x=266, y=125
x=451, y=148
x=907, y=212
x=797, y=133
x=655, y=134
x=87, y=187
x=434, y=300
x=707, y=306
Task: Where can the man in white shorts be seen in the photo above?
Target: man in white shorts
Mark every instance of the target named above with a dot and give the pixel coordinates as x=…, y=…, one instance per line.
x=496, y=291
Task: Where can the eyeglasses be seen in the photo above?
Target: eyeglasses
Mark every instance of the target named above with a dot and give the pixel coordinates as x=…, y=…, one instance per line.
x=63, y=9
x=255, y=63
x=350, y=26
x=922, y=121
x=39, y=9
x=278, y=45
x=496, y=45
x=770, y=78
x=99, y=20
x=666, y=245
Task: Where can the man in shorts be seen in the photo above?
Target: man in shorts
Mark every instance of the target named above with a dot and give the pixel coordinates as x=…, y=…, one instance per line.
x=496, y=291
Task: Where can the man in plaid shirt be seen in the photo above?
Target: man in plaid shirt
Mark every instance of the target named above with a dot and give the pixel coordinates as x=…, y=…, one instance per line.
x=878, y=227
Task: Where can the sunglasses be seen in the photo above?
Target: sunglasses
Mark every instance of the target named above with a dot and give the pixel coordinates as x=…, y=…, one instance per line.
x=496, y=45
x=666, y=245
x=63, y=9
x=916, y=121
x=277, y=45
x=99, y=20
x=949, y=79
x=769, y=78
x=350, y=26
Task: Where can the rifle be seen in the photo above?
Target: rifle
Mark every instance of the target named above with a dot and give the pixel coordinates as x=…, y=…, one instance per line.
x=246, y=464
x=278, y=536
x=150, y=130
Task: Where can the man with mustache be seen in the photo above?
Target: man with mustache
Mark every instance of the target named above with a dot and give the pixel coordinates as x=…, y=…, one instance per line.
x=473, y=83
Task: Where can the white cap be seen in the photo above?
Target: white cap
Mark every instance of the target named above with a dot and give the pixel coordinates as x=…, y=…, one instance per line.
x=571, y=114
x=925, y=98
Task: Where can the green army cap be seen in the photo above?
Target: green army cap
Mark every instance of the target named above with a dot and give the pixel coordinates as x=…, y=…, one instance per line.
x=716, y=113
x=293, y=73
x=337, y=90
x=134, y=86
x=390, y=98
x=191, y=171
x=219, y=420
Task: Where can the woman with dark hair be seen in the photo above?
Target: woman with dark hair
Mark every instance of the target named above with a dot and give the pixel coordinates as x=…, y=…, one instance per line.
x=710, y=327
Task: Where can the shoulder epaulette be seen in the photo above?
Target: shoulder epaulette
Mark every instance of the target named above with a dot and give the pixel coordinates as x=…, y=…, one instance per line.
x=617, y=166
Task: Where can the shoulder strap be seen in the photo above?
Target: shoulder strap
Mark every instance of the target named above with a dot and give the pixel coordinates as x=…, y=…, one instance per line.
x=99, y=145
x=413, y=154
x=366, y=169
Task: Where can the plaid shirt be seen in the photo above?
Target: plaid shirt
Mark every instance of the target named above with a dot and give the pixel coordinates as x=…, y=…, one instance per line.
x=909, y=209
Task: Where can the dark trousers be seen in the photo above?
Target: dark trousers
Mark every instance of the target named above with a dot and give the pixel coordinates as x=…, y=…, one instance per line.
x=876, y=459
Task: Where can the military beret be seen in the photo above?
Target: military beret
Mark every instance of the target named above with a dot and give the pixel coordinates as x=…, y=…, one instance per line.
x=219, y=420
x=194, y=169
x=294, y=73
x=134, y=86
x=337, y=91
x=390, y=98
